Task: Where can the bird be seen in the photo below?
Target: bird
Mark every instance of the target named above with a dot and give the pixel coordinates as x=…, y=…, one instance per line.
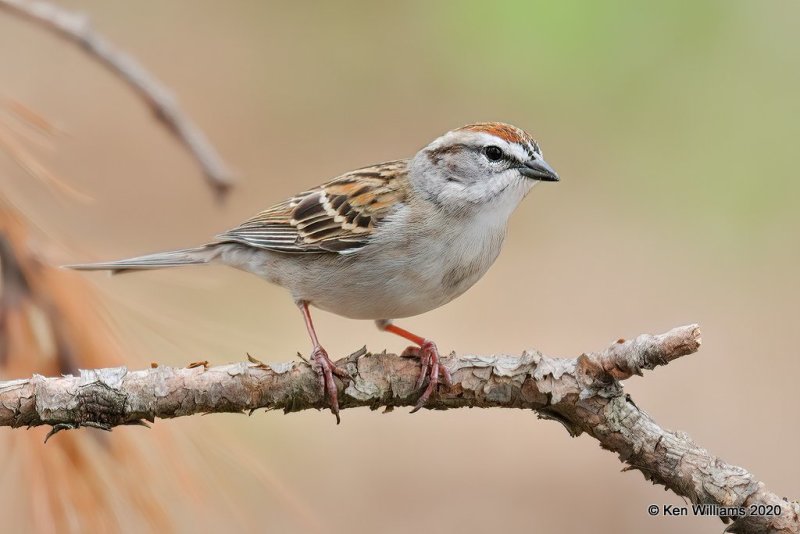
x=383, y=242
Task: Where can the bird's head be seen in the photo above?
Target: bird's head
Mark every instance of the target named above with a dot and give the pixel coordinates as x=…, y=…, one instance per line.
x=483, y=166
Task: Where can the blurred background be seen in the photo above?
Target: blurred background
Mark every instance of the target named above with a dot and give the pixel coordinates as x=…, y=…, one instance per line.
x=674, y=127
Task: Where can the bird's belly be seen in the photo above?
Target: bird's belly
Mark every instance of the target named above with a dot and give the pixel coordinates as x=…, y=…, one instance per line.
x=389, y=300
x=393, y=284
x=375, y=307
x=378, y=282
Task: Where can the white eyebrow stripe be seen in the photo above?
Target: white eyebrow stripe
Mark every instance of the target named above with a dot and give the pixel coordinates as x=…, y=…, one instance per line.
x=521, y=152
x=518, y=151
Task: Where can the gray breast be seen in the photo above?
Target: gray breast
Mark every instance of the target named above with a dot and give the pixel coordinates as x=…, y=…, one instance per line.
x=458, y=275
x=462, y=275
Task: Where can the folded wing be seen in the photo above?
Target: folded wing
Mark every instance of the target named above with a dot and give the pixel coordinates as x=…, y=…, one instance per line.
x=338, y=216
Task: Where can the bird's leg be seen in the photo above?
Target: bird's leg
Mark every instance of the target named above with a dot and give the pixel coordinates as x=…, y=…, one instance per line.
x=429, y=357
x=322, y=364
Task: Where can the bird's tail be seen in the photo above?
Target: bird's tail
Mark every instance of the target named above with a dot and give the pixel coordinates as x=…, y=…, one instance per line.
x=173, y=258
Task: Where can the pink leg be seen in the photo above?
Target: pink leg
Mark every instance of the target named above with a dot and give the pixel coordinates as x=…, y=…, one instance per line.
x=429, y=357
x=322, y=364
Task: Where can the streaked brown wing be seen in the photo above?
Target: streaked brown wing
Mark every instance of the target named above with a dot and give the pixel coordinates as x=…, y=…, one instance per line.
x=338, y=216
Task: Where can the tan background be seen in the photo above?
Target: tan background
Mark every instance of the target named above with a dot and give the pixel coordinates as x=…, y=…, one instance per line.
x=674, y=128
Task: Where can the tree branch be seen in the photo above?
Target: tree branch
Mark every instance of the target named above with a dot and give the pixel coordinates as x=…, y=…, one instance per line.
x=583, y=394
x=75, y=27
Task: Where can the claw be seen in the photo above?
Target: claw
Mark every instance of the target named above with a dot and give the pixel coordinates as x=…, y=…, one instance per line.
x=447, y=378
x=325, y=370
x=410, y=352
x=428, y=356
x=432, y=369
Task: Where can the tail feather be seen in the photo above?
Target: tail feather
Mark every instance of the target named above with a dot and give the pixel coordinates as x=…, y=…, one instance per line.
x=160, y=260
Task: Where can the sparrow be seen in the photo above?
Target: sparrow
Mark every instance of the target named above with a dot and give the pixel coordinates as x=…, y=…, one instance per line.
x=383, y=242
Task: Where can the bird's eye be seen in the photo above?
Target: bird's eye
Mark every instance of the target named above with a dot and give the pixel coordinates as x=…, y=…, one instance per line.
x=493, y=153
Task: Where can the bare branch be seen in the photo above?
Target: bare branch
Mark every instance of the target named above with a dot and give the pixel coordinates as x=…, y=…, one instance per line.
x=75, y=27
x=583, y=394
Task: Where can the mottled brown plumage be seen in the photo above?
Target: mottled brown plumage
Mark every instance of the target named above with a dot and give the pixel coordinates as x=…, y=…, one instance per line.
x=337, y=216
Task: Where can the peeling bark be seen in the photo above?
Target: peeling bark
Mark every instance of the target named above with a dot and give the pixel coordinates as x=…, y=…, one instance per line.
x=584, y=394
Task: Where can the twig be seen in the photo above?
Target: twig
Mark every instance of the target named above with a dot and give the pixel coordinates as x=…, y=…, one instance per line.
x=76, y=28
x=584, y=394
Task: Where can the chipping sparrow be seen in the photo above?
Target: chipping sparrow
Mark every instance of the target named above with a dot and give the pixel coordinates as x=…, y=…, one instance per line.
x=392, y=240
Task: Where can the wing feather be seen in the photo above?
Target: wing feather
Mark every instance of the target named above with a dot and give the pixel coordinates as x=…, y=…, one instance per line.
x=338, y=216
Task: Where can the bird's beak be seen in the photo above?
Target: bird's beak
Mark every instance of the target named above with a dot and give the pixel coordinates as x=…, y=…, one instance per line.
x=539, y=169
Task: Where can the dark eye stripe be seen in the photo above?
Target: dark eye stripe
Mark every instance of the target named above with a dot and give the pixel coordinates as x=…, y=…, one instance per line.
x=437, y=154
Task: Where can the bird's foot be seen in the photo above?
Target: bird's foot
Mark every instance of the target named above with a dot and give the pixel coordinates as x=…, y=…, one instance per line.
x=326, y=369
x=432, y=369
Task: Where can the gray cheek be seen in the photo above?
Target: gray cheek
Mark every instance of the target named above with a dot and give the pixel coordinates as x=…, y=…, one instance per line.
x=478, y=173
